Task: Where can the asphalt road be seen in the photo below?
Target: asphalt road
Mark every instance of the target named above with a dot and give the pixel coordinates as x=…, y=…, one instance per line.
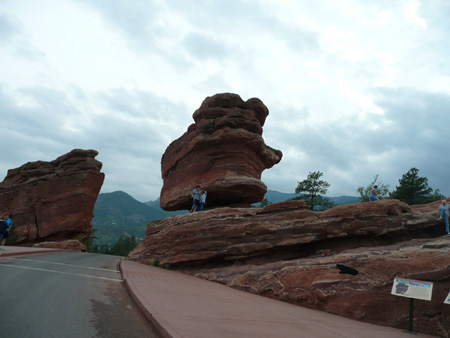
x=67, y=295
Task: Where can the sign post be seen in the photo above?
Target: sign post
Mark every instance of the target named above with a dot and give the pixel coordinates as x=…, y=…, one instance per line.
x=411, y=314
x=412, y=289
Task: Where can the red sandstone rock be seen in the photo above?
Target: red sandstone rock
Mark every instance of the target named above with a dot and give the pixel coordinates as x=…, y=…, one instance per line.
x=225, y=234
x=53, y=200
x=288, y=252
x=71, y=244
x=223, y=152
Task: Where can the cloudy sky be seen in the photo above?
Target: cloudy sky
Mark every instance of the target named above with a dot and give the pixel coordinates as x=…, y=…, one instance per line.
x=354, y=88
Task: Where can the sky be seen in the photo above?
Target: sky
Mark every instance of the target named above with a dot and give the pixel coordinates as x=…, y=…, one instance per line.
x=354, y=88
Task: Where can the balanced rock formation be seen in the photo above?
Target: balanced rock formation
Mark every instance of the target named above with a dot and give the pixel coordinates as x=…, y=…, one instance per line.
x=223, y=152
x=53, y=201
x=288, y=252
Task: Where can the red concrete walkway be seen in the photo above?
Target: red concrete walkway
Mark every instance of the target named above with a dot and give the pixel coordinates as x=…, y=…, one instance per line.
x=185, y=306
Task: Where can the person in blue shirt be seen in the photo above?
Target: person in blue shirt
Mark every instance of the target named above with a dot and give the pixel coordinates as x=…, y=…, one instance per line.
x=373, y=194
x=443, y=213
x=9, y=223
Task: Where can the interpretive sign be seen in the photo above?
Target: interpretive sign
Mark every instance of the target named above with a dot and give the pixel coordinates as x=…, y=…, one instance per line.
x=412, y=288
x=447, y=300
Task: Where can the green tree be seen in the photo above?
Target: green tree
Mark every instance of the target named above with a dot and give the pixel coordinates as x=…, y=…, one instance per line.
x=90, y=242
x=383, y=190
x=123, y=246
x=13, y=236
x=312, y=187
x=413, y=189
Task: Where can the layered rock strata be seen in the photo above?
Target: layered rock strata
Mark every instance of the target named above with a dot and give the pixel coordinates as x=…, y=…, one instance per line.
x=53, y=201
x=223, y=152
x=286, y=229
x=288, y=252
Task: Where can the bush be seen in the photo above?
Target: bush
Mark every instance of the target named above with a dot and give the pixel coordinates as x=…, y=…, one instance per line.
x=13, y=236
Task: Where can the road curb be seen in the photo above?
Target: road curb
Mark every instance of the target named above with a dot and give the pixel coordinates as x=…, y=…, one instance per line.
x=24, y=253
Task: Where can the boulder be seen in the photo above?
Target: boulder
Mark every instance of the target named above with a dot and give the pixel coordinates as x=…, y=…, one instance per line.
x=223, y=152
x=287, y=229
x=288, y=252
x=71, y=244
x=53, y=201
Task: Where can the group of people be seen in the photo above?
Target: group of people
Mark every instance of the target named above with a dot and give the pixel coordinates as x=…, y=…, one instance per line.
x=443, y=211
x=199, y=198
x=5, y=226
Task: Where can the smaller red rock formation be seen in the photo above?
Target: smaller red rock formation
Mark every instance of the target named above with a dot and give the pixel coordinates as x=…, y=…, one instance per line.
x=223, y=152
x=71, y=244
x=53, y=201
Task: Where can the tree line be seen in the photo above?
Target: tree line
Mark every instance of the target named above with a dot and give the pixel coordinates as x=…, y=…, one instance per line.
x=412, y=189
x=121, y=248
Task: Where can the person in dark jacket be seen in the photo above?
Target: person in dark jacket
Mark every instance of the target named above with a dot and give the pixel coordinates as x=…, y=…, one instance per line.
x=3, y=227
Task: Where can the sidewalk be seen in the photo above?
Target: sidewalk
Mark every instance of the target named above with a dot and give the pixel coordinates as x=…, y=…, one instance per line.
x=181, y=305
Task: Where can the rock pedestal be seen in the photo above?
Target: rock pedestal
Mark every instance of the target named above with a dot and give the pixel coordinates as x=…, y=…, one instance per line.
x=223, y=152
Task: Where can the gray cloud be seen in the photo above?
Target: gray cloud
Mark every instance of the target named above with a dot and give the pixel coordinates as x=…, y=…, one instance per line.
x=204, y=47
x=412, y=132
x=9, y=27
x=131, y=135
x=138, y=21
x=12, y=34
x=322, y=67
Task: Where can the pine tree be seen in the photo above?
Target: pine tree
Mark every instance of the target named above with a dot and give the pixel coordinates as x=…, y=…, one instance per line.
x=312, y=187
x=412, y=189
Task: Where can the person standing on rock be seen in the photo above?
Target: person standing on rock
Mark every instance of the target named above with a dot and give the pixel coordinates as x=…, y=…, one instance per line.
x=373, y=194
x=197, y=196
x=443, y=213
x=203, y=200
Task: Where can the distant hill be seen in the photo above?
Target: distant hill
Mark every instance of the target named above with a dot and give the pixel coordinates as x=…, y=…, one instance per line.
x=276, y=196
x=345, y=199
x=156, y=204
x=118, y=213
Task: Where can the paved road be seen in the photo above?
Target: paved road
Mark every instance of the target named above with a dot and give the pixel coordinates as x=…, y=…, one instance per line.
x=66, y=295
